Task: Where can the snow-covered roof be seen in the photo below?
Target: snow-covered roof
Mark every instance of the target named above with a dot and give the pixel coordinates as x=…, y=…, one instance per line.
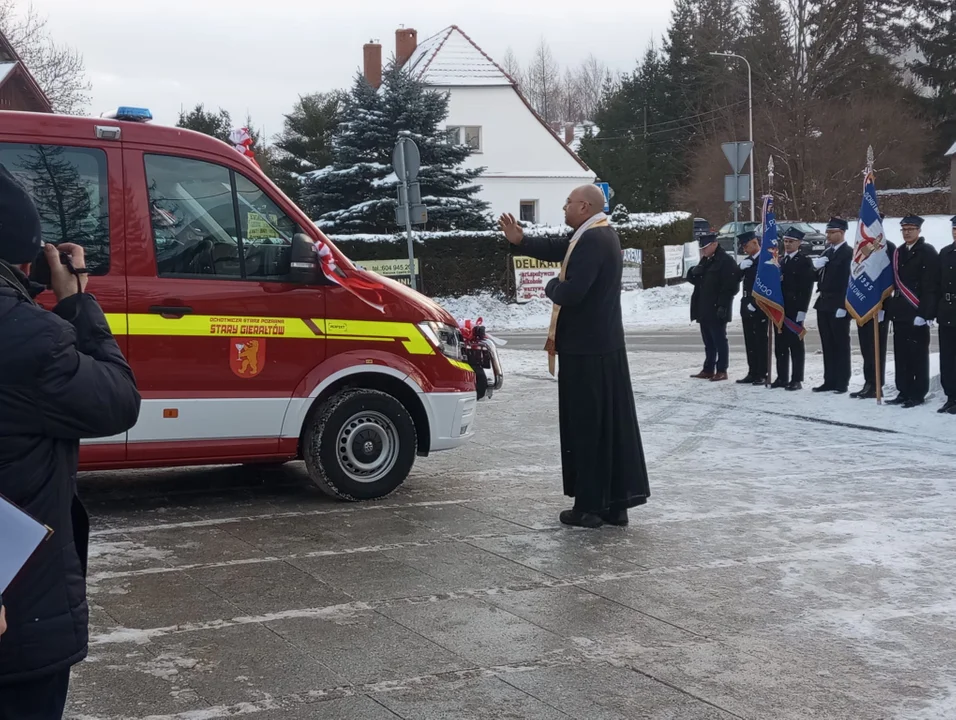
x=452, y=59
x=951, y=151
x=5, y=69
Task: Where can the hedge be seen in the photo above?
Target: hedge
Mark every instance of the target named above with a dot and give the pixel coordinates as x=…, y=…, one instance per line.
x=466, y=263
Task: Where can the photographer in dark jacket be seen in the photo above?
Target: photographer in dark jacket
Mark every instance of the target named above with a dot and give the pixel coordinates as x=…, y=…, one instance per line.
x=716, y=280
x=62, y=378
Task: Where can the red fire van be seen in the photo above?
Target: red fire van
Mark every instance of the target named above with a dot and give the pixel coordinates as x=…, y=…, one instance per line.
x=253, y=339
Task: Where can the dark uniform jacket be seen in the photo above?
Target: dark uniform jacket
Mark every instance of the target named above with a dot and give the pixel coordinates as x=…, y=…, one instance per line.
x=797, y=276
x=590, y=297
x=716, y=281
x=834, y=279
x=62, y=378
x=946, y=312
x=749, y=277
x=919, y=272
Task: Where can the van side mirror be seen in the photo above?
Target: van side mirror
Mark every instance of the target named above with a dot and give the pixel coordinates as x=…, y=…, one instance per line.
x=304, y=264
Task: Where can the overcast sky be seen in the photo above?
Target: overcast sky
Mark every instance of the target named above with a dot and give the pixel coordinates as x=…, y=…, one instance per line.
x=257, y=56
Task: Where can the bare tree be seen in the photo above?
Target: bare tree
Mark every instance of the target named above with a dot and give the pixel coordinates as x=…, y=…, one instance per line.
x=58, y=69
x=592, y=77
x=543, y=82
x=512, y=66
x=571, y=92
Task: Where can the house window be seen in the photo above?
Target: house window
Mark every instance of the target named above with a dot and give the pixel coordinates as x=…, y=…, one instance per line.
x=473, y=138
x=529, y=211
x=454, y=134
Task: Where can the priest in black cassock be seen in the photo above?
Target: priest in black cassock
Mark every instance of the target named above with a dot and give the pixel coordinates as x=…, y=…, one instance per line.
x=601, y=452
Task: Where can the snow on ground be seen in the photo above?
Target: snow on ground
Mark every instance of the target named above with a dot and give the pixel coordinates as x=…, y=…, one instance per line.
x=640, y=308
x=938, y=230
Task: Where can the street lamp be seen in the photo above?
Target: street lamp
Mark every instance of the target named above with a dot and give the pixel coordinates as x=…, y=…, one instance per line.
x=750, y=103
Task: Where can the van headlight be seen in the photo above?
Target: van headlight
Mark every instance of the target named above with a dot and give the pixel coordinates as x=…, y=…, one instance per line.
x=445, y=338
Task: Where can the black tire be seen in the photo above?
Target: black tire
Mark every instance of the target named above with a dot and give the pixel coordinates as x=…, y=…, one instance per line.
x=389, y=444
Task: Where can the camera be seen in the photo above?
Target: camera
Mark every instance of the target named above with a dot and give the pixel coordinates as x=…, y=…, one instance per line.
x=40, y=271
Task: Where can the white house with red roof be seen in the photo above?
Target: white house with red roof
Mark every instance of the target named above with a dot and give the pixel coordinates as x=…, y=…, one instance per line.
x=18, y=89
x=529, y=170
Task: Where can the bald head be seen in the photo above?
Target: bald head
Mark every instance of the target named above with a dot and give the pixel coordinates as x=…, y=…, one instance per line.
x=584, y=203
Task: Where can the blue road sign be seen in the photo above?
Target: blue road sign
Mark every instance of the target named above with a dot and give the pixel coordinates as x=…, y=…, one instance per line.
x=606, y=189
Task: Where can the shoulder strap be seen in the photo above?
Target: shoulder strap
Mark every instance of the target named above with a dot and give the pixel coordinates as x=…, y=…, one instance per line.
x=8, y=279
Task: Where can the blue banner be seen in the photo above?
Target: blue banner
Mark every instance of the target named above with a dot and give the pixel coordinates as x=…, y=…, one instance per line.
x=768, y=291
x=871, y=275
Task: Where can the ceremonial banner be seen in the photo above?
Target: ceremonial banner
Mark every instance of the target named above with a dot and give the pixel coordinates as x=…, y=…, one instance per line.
x=871, y=275
x=768, y=291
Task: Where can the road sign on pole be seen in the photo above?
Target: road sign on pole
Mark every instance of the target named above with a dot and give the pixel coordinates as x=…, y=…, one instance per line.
x=737, y=154
x=606, y=189
x=736, y=188
x=407, y=161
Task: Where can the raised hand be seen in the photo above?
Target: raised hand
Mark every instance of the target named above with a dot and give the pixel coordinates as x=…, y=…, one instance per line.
x=510, y=227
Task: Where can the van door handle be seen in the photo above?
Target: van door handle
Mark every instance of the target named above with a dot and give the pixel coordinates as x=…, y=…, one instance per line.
x=170, y=311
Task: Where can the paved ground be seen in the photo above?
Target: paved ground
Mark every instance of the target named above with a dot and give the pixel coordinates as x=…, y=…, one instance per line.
x=786, y=568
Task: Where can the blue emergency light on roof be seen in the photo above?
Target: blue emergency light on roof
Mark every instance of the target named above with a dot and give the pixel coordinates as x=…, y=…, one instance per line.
x=130, y=114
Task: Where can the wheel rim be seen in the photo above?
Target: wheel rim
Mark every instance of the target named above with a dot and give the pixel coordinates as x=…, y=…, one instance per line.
x=367, y=447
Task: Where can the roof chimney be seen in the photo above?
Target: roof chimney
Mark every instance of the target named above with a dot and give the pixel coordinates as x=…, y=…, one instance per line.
x=568, y=134
x=406, y=42
x=373, y=64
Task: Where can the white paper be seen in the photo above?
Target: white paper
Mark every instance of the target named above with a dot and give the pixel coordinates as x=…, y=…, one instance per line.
x=20, y=535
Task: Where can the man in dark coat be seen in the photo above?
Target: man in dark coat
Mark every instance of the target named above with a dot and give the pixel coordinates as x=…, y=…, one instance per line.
x=946, y=317
x=602, y=456
x=62, y=378
x=716, y=280
x=913, y=306
x=796, y=281
x=833, y=271
x=865, y=335
x=755, y=321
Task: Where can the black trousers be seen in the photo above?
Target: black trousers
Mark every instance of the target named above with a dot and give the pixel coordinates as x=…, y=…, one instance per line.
x=756, y=325
x=865, y=334
x=911, y=347
x=835, y=336
x=789, y=346
x=716, y=346
x=947, y=360
x=42, y=699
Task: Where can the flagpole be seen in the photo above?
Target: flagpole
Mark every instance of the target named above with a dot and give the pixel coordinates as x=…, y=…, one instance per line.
x=769, y=319
x=877, y=378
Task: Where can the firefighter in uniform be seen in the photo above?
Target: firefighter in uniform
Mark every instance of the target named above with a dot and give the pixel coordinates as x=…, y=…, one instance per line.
x=755, y=321
x=913, y=306
x=796, y=279
x=833, y=270
x=865, y=335
x=946, y=316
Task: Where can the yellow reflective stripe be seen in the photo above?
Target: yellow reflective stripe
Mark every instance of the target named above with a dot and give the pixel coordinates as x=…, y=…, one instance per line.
x=461, y=365
x=117, y=323
x=244, y=326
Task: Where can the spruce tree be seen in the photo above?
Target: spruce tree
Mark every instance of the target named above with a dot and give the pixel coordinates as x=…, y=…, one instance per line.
x=218, y=125
x=934, y=36
x=358, y=193
x=305, y=143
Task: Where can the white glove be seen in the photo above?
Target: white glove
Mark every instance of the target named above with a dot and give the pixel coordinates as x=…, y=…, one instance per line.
x=746, y=264
x=882, y=315
x=841, y=313
x=820, y=262
x=801, y=316
x=919, y=322
x=750, y=308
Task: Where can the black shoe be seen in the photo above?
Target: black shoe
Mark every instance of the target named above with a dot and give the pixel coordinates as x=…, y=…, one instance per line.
x=952, y=410
x=746, y=380
x=950, y=405
x=864, y=393
x=794, y=386
x=778, y=383
x=761, y=381
x=909, y=404
x=898, y=400
x=576, y=518
x=615, y=517
x=823, y=388
x=840, y=391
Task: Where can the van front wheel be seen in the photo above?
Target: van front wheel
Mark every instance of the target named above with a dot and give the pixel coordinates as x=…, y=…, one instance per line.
x=360, y=445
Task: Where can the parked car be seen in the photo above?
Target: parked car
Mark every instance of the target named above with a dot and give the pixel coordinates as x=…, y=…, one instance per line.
x=727, y=235
x=701, y=227
x=814, y=241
